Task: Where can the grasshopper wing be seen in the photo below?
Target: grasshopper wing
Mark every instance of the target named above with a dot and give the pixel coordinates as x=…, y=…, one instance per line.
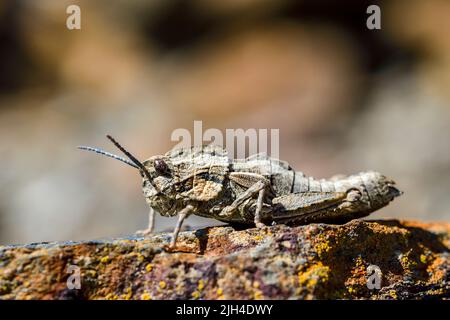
x=298, y=204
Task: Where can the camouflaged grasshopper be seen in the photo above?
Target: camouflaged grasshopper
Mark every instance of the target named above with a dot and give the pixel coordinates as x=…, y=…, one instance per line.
x=258, y=190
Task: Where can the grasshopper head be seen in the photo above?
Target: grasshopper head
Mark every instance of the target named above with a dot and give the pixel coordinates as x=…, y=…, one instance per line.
x=159, y=189
x=156, y=174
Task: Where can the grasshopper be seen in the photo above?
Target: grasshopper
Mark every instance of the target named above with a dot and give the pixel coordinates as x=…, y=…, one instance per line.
x=258, y=190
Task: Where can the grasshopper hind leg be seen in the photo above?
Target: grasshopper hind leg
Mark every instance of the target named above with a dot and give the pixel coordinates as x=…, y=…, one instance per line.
x=320, y=207
x=305, y=206
x=259, y=204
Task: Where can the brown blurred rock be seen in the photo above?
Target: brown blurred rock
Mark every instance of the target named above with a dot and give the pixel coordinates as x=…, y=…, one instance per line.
x=270, y=76
x=422, y=26
x=306, y=262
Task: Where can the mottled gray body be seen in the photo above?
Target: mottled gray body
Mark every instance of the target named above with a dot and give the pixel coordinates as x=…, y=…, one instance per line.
x=258, y=190
x=206, y=179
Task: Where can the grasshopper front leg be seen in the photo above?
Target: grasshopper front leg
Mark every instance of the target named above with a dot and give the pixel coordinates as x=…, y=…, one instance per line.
x=256, y=185
x=151, y=224
x=182, y=215
x=259, y=204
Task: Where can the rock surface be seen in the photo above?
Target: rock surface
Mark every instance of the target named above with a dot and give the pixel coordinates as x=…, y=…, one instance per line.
x=316, y=261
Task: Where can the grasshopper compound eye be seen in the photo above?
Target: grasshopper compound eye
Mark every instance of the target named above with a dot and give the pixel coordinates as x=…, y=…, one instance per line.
x=161, y=166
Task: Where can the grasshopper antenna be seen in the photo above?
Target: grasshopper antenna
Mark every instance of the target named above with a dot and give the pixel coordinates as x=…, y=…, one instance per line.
x=103, y=152
x=131, y=157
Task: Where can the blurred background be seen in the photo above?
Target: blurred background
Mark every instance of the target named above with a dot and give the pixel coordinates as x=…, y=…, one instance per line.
x=345, y=98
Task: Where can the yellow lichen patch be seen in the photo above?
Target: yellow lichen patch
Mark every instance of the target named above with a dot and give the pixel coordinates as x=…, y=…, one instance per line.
x=111, y=296
x=201, y=285
x=127, y=295
x=423, y=258
x=258, y=238
x=162, y=284
x=146, y=296
x=407, y=262
x=323, y=247
x=219, y=291
x=393, y=294
x=258, y=295
x=149, y=267
x=195, y=294
x=315, y=274
x=359, y=261
x=104, y=259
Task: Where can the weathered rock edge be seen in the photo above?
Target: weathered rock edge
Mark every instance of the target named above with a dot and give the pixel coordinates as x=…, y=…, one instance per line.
x=316, y=261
